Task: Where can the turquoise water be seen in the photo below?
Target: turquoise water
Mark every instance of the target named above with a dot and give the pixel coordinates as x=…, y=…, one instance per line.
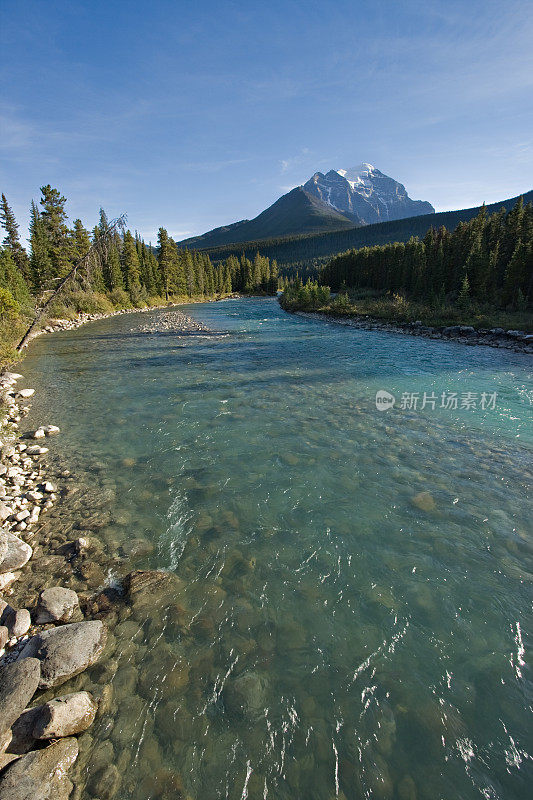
x=330, y=636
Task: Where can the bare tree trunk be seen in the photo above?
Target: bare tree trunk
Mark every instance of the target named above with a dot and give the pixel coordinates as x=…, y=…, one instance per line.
x=97, y=248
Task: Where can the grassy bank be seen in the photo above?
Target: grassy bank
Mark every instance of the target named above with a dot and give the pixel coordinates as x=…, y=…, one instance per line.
x=396, y=308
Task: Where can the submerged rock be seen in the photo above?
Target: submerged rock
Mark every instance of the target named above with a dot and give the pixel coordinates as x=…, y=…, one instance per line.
x=66, y=651
x=246, y=695
x=106, y=782
x=142, y=581
x=41, y=774
x=18, y=683
x=424, y=501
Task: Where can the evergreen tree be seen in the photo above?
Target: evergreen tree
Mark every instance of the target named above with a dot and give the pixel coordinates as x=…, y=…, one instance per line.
x=54, y=218
x=40, y=263
x=514, y=286
x=80, y=241
x=130, y=267
x=165, y=260
x=11, y=240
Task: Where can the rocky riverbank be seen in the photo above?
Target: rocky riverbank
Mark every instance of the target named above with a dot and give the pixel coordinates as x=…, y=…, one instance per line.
x=58, y=325
x=517, y=341
x=58, y=612
x=173, y=321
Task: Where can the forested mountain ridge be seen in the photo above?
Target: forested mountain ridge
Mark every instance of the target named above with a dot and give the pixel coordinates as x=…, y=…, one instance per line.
x=306, y=254
x=333, y=201
x=296, y=211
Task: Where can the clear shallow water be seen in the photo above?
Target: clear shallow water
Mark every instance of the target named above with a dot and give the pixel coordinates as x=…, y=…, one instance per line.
x=380, y=650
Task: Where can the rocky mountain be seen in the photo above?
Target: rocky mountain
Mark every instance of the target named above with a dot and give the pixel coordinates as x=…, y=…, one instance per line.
x=365, y=195
x=336, y=200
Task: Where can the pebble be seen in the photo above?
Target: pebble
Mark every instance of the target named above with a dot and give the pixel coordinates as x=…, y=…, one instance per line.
x=36, y=450
x=50, y=430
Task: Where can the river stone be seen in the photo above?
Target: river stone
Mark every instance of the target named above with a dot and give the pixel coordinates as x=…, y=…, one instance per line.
x=66, y=651
x=57, y=604
x=18, y=622
x=36, y=450
x=6, y=578
x=50, y=430
x=5, y=512
x=146, y=589
x=65, y=716
x=26, y=393
x=246, y=696
x=23, y=740
x=18, y=683
x=424, y=501
x=4, y=636
x=142, y=581
x=106, y=782
x=17, y=554
x=41, y=774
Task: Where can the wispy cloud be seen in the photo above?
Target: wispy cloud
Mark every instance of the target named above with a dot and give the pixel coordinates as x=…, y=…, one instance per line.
x=287, y=164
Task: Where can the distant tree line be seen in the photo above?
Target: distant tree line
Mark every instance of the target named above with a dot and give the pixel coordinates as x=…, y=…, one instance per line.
x=132, y=271
x=306, y=254
x=488, y=259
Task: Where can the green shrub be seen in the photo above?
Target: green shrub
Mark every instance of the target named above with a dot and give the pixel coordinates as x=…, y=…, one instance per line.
x=120, y=298
x=8, y=305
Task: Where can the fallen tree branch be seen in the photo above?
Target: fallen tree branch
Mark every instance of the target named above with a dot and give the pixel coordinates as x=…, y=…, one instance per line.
x=98, y=249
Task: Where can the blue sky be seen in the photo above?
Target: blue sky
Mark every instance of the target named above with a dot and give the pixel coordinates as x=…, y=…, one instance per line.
x=193, y=114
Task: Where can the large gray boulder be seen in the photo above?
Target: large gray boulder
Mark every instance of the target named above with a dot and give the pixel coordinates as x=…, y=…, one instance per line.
x=41, y=774
x=66, y=651
x=17, y=553
x=65, y=716
x=18, y=683
x=22, y=738
x=58, y=604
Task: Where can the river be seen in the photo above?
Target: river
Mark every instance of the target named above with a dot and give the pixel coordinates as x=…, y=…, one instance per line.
x=356, y=581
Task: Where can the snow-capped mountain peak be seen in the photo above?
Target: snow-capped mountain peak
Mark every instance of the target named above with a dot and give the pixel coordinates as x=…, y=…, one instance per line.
x=365, y=195
x=357, y=174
